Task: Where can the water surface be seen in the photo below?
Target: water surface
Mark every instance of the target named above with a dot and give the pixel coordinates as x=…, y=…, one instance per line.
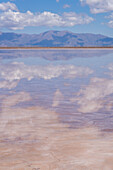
x=56, y=109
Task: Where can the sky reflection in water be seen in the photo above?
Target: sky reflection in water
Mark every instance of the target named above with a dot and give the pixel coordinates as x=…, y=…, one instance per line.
x=77, y=84
x=62, y=92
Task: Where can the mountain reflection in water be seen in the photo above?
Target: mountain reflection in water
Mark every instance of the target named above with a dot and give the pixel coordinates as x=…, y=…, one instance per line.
x=56, y=109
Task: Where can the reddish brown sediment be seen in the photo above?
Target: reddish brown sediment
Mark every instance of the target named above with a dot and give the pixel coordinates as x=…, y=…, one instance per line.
x=55, y=48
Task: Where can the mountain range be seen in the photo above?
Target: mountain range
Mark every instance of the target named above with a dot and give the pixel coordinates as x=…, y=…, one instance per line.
x=55, y=39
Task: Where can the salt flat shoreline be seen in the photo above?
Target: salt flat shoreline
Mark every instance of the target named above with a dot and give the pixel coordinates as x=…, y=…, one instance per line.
x=49, y=48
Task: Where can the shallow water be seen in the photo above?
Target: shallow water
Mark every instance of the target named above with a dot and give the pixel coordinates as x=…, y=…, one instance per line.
x=56, y=109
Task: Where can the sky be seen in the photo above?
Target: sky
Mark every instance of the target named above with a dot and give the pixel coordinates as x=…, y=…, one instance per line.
x=36, y=16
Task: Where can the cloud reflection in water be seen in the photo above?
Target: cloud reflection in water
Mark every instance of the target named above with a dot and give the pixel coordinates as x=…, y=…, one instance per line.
x=35, y=134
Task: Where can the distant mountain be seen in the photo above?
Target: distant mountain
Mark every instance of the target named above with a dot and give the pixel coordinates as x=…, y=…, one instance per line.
x=55, y=39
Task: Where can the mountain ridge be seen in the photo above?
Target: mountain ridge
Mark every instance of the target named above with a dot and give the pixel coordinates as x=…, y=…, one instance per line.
x=55, y=38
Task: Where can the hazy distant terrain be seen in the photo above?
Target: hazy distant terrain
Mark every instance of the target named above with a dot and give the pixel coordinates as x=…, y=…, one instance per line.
x=55, y=39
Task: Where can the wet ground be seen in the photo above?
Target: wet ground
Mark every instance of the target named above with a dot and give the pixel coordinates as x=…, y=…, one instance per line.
x=56, y=109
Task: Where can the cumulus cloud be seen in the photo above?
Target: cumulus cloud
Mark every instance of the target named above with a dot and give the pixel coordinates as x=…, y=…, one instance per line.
x=110, y=23
x=8, y=5
x=12, y=100
x=93, y=97
x=15, y=20
x=66, y=6
x=17, y=71
x=12, y=19
x=72, y=19
x=8, y=85
x=58, y=97
x=99, y=6
x=97, y=95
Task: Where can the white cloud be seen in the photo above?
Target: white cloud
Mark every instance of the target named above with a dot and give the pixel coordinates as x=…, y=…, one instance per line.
x=58, y=97
x=16, y=20
x=110, y=23
x=18, y=71
x=66, y=6
x=99, y=6
x=8, y=5
x=93, y=97
x=15, y=99
x=71, y=19
x=8, y=85
x=57, y=0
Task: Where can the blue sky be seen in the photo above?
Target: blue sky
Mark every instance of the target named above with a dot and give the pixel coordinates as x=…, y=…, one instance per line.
x=36, y=16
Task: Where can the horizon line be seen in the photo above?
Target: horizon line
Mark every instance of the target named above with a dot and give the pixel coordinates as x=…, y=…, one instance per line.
x=87, y=47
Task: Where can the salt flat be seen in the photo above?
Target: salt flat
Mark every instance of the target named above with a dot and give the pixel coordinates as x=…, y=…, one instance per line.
x=56, y=112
